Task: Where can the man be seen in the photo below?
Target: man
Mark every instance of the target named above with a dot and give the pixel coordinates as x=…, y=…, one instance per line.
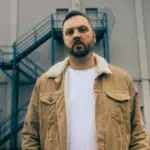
x=82, y=103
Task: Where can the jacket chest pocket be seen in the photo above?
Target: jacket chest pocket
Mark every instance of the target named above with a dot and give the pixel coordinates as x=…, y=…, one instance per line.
x=119, y=105
x=48, y=108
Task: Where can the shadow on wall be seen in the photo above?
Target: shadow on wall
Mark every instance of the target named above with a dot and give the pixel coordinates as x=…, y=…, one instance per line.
x=111, y=19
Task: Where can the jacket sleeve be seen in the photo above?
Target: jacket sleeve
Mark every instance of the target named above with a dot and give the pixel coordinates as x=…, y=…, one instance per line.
x=139, y=138
x=30, y=134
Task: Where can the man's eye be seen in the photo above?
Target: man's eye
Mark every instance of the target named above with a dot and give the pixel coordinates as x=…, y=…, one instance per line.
x=83, y=29
x=69, y=32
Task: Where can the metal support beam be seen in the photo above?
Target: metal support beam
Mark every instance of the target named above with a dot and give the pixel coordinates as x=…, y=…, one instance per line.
x=13, y=20
x=106, y=38
x=52, y=42
x=14, y=103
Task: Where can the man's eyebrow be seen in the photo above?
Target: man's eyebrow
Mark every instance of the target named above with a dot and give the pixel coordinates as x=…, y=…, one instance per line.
x=76, y=27
x=68, y=29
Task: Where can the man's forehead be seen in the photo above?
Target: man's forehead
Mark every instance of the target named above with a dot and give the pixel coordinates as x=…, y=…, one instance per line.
x=76, y=21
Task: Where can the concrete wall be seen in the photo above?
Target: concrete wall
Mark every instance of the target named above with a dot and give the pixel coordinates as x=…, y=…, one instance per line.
x=123, y=39
x=146, y=19
x=123, y=42
x=4, y=23
x=4, y=28
x=33, y=12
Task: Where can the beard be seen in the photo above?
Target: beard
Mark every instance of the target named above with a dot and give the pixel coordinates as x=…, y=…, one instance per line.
x=79, y=49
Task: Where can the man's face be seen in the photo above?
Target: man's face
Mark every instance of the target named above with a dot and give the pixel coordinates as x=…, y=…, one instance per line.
x=78, y=36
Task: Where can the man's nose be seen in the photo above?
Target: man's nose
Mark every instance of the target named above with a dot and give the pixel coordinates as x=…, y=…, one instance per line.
x=76, y=34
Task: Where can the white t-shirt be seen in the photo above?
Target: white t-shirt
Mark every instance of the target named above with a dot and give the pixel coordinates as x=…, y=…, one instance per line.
x=82, y=130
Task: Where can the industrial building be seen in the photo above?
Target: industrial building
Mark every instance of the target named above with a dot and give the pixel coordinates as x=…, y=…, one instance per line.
x=31, y=42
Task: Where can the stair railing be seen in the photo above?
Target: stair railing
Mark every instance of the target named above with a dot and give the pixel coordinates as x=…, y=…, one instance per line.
x=33, y=35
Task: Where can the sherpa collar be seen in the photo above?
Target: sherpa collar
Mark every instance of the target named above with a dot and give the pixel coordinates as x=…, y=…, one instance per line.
x=59, y=68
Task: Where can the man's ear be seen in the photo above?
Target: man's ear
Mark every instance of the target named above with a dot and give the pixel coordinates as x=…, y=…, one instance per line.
x=94, y=37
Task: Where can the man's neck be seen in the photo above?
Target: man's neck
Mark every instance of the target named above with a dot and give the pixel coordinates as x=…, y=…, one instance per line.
x=82, y=63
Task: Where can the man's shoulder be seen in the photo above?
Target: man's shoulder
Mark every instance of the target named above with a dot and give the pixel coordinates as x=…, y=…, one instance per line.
x=122, y=78
x=120, y=73
x=117, y=69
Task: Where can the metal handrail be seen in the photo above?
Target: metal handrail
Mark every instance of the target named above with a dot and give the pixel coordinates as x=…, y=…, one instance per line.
x=28, y=76
x=6, y=123
x=6, y=137
x=1, y=56
x=23, y=40
x=6, y=128
x=9, y=116
x=29, y=69
x=5, y=54
x=34, y=32
x=32, y=40
x=33, y=27
x=35, y=65
x=7, y=119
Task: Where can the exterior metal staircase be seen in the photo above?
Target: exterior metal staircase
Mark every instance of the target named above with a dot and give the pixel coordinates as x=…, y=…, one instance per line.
x=17, y=62
x=26, y=67
x=31, y=71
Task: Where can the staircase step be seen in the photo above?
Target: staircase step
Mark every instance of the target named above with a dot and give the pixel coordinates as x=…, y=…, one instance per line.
x=6, y=65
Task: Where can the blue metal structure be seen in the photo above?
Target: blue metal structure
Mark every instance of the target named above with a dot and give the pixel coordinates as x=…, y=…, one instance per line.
x=20, y=64
x=106, y=38
x=52, y=41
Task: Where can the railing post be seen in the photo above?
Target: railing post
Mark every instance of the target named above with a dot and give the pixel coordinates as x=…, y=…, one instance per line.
x=106, y=38
x=52, y=42
x=35, y=35
x=1, y=56
x=14, y=102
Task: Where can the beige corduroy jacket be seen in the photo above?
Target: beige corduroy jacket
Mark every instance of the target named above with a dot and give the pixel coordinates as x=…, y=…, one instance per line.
x=118, y=120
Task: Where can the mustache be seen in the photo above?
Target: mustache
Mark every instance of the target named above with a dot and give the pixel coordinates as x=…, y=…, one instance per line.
x=77, y=41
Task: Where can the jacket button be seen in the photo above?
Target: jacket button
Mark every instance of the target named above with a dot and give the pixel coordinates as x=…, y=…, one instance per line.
x=98, y=139
x=51, y=100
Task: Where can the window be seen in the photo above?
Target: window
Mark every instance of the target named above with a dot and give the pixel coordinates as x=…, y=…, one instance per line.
x=93, y=14
x=60, y=14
